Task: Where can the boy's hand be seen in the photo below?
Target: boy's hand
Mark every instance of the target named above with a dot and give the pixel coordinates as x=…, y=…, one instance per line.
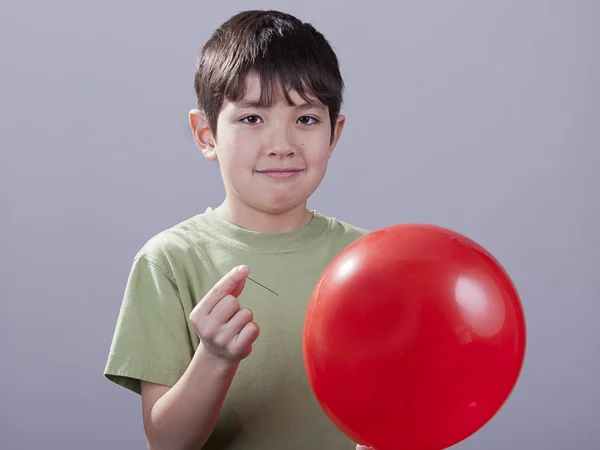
x=225, y=329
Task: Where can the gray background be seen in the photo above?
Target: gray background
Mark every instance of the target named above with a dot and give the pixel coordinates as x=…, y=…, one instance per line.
x=479, y=116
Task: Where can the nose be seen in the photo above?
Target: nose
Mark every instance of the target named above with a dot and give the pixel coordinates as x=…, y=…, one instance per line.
x=281, y=143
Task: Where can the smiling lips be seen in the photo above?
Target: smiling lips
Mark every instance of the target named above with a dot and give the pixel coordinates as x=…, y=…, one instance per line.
x=280, y=172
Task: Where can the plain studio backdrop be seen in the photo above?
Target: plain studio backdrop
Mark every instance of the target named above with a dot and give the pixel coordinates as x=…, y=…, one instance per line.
x=479, y=116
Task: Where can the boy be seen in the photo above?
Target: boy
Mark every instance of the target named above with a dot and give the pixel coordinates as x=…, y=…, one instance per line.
x=188, y=338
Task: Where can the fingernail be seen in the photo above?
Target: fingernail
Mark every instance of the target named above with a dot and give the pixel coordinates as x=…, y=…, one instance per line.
x=241, y=268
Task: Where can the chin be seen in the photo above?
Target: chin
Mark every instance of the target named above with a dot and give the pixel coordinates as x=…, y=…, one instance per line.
x=277, y=201
x=280, y=205
x=279, y=209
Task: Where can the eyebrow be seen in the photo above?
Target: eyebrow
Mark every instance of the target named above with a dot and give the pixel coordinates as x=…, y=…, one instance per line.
x=256, y=104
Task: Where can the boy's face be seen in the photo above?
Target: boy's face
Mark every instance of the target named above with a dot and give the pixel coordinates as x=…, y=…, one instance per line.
x=271, y=159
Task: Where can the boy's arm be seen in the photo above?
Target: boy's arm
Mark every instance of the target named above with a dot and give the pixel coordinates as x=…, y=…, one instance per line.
x=184, y=416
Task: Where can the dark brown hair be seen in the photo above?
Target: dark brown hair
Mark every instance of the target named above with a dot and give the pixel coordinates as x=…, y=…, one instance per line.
x=276, y=46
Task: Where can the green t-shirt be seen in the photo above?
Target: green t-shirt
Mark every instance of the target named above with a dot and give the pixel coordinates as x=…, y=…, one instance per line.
x=270, y=404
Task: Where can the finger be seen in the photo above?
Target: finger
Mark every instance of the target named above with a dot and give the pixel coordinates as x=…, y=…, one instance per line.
x=224, y=310
x=227, y=285
x=237, y=323
x=237, y=290
x=246, y=337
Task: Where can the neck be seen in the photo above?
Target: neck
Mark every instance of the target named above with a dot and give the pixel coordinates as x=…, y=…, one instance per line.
x=252, y=219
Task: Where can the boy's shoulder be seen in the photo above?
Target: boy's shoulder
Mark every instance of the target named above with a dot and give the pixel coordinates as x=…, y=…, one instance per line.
x=169, y=243
x=341, y=227
x=341, y=233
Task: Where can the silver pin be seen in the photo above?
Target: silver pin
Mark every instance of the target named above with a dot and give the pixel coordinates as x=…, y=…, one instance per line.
x=263, y=286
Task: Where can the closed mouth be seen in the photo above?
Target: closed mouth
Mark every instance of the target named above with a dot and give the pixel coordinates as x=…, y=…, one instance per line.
x=280, y=170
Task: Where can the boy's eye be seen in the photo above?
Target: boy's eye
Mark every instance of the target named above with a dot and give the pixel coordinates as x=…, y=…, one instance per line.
x=251, y=120
x=306, y=120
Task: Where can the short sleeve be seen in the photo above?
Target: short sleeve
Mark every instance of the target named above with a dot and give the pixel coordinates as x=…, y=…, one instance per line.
x=151, y=341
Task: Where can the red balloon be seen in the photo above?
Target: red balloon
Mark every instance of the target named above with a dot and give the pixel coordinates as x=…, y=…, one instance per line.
x=414, y=338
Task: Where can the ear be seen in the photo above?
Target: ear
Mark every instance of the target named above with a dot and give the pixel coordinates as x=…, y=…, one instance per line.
x=202, y=135
x=337, y=133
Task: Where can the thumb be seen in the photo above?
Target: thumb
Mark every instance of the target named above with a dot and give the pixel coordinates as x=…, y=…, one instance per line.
x=239, y=287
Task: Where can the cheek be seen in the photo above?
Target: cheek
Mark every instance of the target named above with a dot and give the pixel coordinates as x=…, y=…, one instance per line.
x=318, y=156
x=238, y=169
x=315, y=146
x=236, y=153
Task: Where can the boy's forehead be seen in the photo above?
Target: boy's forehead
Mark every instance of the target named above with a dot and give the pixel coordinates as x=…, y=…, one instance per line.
x=253, y=93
